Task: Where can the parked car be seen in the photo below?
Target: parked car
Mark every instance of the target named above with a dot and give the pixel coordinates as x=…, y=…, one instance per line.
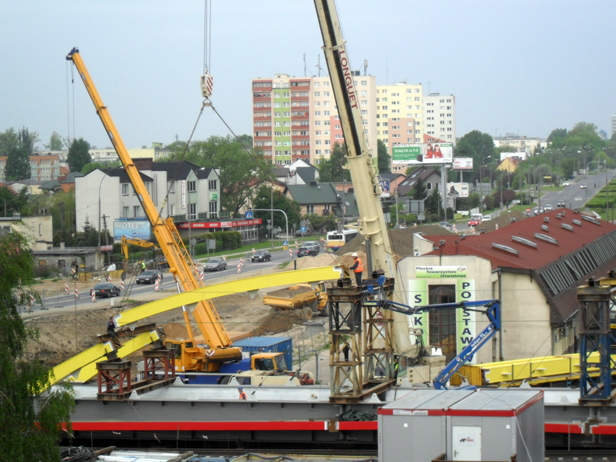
x=560, y=204
x=301, y=233
x=548, y=207
x=215, y=264
x=566, y=183
x=583, y=186
x=105, y=289
x=312, y=244
x=261, y=255
x=487, y=217
x=149, y=277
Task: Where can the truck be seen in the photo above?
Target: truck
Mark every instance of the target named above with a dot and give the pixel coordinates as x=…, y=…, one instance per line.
x=299, y=296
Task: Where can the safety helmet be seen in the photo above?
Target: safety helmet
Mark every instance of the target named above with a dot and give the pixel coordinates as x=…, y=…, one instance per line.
x=354, y=254
x=240, y=388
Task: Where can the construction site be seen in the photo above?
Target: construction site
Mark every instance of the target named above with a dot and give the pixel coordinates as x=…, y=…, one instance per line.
x=417, y=344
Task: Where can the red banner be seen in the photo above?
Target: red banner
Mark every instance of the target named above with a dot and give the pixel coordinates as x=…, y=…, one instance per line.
x=219, y=224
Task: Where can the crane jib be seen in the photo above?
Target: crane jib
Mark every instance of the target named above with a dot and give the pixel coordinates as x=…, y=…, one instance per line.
x=348, y=78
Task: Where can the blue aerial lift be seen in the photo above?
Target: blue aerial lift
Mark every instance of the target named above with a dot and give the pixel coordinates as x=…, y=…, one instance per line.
x=491, y=308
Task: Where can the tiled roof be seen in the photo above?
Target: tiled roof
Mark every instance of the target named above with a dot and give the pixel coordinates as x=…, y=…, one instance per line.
x=423, y=172
x=315, y=193
x=559, y=253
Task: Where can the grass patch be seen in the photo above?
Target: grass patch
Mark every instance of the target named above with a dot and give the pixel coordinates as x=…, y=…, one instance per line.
x=284, y=264
x=261, y=245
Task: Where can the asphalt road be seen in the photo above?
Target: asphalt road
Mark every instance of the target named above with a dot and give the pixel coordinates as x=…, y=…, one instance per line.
x=574, y=196
x=65, y=301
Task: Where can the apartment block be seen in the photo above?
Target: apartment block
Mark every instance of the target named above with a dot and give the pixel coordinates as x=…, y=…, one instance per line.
x=399, y=110
x=297, y=118
x=439, y=116
x=42, y=167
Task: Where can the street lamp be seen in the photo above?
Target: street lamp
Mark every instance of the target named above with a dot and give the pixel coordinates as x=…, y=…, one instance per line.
x=99, y=219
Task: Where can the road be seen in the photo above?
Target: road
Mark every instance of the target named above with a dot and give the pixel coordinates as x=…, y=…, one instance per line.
x=166, y=288
x=575, y=197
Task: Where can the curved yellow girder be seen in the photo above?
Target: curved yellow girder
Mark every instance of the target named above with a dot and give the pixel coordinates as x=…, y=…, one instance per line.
x=254, y=283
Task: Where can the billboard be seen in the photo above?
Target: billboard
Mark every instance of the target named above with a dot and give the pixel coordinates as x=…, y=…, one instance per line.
x=385, y=187
x=139, y=229
x=457, y=190
x=426, y=153
x=463, y=163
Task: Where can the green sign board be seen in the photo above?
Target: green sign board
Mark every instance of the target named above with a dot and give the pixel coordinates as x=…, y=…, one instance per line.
x=405, y=153
x=440, y=272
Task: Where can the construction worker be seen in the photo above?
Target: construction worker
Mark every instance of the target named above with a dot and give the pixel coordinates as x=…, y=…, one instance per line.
x=142, y=266
x=242, y=394
x=111, y=332
x=357, y=268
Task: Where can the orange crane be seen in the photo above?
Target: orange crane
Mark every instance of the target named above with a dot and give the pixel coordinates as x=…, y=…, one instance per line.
x=181, y=266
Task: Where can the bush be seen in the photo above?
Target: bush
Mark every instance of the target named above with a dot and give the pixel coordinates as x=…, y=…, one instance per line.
x=225, y=240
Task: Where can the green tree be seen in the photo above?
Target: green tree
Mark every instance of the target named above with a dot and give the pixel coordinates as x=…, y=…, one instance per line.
x=62, y=209
x=557, y=133
x=434, y=203
x=263, y=200
x=29, y=423
x=55, y=142
x=242, y=171
x=101, y=166
x=17, y=164
x=8, y=141
x=27, y=140
x=613, y=137
x=332, y=169
x=418, y=191
x=78, y=155
x=383, y=157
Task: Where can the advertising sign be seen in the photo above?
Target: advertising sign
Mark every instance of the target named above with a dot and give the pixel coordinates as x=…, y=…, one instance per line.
x=457, y=190
x=463, y=163
x=426, y=153
x=385, y=188
x=440, y=272
x=183, y=194
x=139, y=229
x=213, y=196
x=419, y=289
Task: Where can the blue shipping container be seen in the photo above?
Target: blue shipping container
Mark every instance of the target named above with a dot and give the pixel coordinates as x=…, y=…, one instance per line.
x=268, y=345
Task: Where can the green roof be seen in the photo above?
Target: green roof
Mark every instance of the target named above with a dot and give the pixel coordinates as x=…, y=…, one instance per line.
x=314, y=193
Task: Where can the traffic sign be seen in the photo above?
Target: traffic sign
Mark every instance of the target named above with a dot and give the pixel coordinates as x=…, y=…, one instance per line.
x=303, y=229
x=285, y=243
x=249, y=215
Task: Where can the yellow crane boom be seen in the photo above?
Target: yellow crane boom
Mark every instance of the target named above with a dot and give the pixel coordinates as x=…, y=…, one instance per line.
x=181, y=265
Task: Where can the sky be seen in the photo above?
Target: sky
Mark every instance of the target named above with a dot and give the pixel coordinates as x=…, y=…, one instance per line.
x=523, y=66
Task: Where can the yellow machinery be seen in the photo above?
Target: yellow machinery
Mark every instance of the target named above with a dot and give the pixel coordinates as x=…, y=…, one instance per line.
x=298, y=296
x=181, y=265
x=535, y=371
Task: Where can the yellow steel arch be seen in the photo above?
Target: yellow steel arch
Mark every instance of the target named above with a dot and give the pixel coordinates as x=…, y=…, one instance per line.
x=226, y=288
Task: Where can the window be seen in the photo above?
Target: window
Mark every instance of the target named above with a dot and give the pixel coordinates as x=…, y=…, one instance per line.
x=317, y=93
x=317, y=113
x=213, y=185
x=326, y=113
x=124, y=212
x=125, y=189
x=317, y=122
x=136, y=210
x=213, y=209
x=192, y=211
x=172, y=210
x=192, y=186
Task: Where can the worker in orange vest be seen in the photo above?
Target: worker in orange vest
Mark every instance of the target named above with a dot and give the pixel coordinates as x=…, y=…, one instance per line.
x=242, y=394
x=358, y=268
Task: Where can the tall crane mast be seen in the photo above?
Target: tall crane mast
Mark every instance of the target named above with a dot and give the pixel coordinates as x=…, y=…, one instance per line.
x=360, y=161
x=180, y=263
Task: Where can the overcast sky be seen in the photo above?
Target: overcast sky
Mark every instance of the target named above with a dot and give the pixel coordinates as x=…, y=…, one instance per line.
x=517, y=66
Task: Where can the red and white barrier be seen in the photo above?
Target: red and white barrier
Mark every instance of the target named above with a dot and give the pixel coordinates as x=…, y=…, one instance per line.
x=122, y=286
x=239, y=267
x=93, y=296
x=66, y=288
x=224, y=258
x=201, y=275
x=109, y=278
x=76, y=292
x=296, y=245
x=291, y=253
x=31, y=299
x=241, y=262
x=253, y=251
x=156, y=288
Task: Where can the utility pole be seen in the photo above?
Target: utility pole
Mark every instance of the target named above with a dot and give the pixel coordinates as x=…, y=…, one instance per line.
x=272, y=216
x=106, y=235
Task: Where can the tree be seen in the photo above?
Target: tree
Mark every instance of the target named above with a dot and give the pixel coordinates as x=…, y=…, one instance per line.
x=17, y=164
x=434, y=202
x=613, y=137
x=332, y=169
x=242, y=171
x=27, y=140
x=78, y=155
x=418, y=191
x=263, y=200
x=55, y=142
x=383, y=157
x=557, y=133
x=8, y=140
x=62, y=209
x=27, y=431
x=100, y=165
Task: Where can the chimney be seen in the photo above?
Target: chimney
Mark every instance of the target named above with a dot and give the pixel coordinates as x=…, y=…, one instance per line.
x=144, y=163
